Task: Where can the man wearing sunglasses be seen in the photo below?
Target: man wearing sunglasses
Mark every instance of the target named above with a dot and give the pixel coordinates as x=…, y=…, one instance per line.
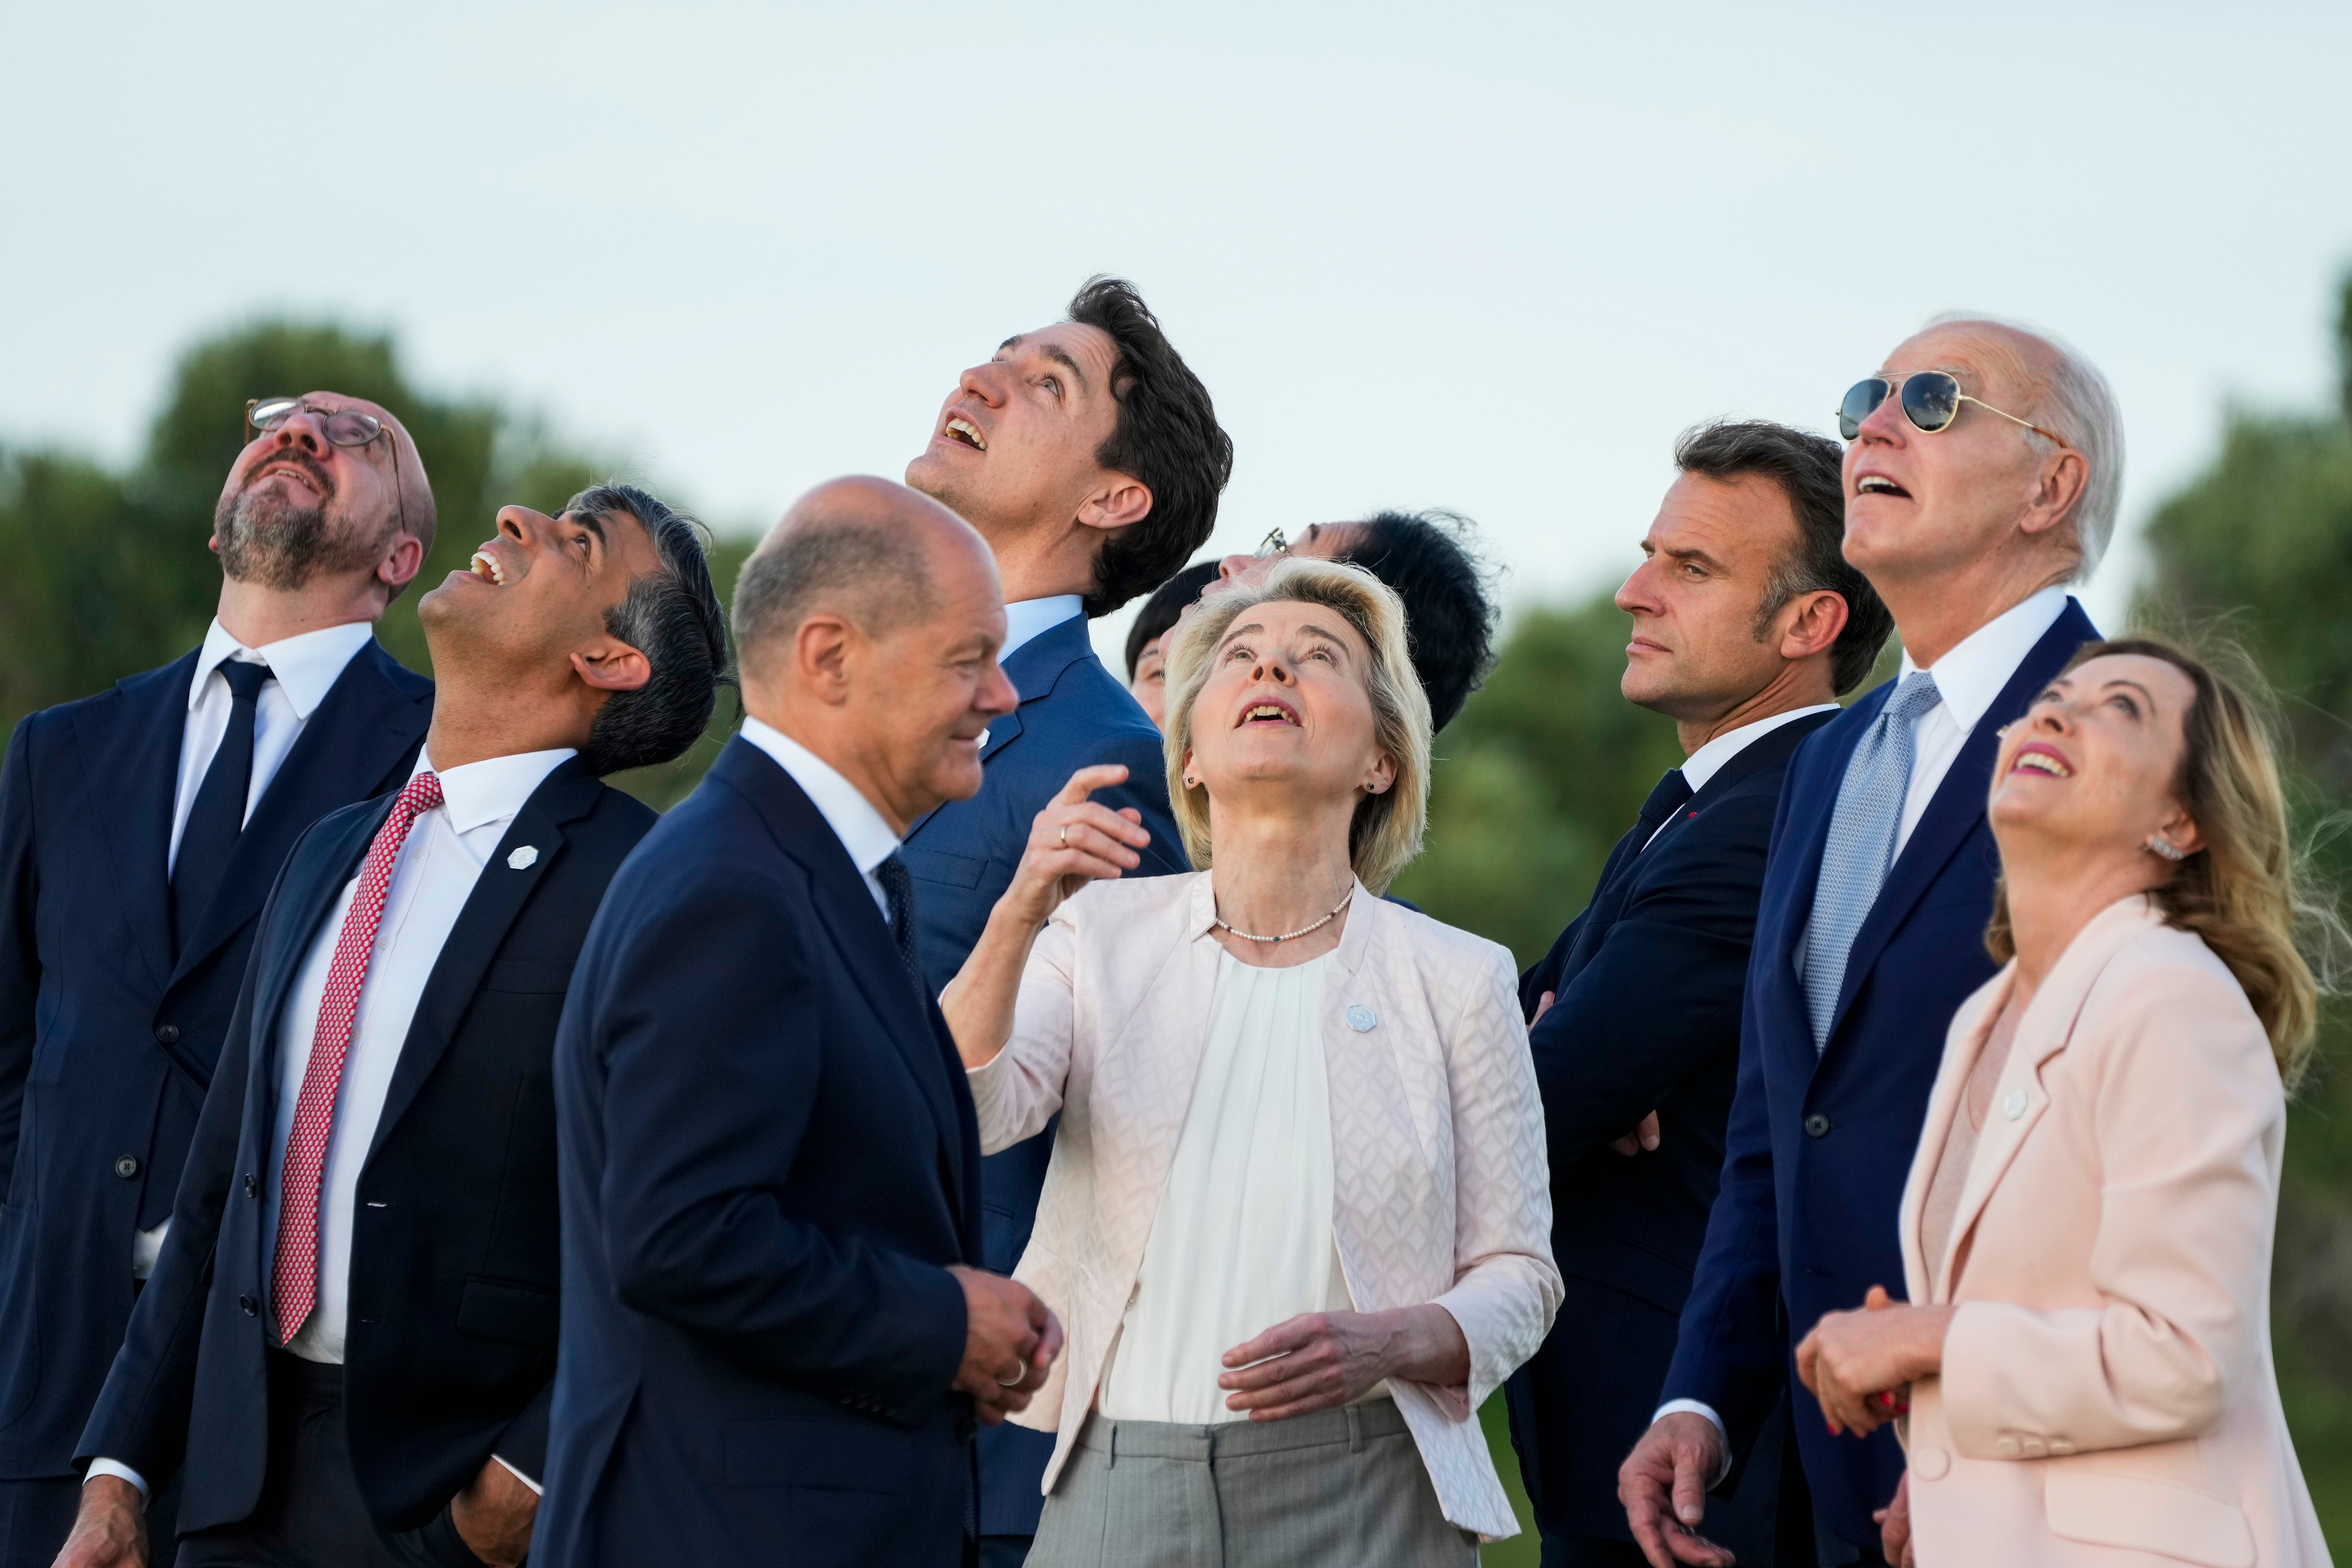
x=1981, y=472
x=140, y=830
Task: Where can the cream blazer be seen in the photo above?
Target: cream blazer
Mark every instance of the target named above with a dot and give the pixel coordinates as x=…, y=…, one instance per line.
x=2107, y=1396
x=1441, y=1192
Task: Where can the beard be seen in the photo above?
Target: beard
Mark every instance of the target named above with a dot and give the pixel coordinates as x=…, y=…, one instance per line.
x=273, y=544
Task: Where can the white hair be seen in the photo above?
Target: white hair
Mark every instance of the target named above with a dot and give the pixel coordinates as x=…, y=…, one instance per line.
x=2067, y=393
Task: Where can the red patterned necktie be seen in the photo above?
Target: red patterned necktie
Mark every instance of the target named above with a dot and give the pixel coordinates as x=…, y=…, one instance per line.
x=294, y=1276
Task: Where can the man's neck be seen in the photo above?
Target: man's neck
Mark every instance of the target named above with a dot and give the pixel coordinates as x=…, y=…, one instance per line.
x=1796, y=686
x=1935, y=612
x=476, y=719
x=256, y=616
x=1037, y=561
x=829, y=745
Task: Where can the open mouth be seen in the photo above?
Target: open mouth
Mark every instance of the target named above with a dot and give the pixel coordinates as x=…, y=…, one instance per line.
x=293, y=470
x=1267, y=713
x=2036, y=759
x=486, y=566
x=961, y=429
x=1879, y=485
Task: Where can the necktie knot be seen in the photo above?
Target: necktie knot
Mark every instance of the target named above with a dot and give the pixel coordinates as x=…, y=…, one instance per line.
x=422, y=794
x=1912, y=698
x=245, y=679
x=1666, y=797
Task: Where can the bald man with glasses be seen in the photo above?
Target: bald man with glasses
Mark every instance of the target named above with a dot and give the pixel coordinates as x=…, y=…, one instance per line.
x=141, y=830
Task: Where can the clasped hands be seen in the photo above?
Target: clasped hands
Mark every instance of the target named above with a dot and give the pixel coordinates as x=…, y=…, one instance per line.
x=1010, y=1340
x=1861, y=1365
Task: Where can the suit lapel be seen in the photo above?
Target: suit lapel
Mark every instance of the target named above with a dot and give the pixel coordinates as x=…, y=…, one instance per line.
x=1810, y=798
x=1958, y=805
x=353, y=742
x=307, y=897
x=1965, y=1044
x=130, y=741
x=1035, y=668
x=498, y=895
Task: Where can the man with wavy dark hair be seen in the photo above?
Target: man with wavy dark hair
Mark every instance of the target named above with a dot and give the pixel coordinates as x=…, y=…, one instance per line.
x=1089, y=455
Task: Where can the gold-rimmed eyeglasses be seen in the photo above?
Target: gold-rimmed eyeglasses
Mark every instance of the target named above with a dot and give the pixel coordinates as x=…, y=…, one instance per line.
x=1930, y=399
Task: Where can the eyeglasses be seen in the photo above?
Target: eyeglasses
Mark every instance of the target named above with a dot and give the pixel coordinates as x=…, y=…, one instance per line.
x=1931, y=400
x=343, y=426
x=1275, y=543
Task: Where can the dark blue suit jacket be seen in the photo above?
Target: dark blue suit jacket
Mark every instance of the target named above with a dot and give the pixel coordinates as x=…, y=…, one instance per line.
x=450, y=1345
x=1072, y=714
x=106, y=1044
x=1817, y=1152
x=1646, y=1016
x=768, y=1159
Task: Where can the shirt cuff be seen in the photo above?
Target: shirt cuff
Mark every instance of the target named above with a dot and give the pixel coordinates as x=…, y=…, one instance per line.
x=147, y=1250
x=1698, y=1407
x=505, y=1465
x=120, y=1472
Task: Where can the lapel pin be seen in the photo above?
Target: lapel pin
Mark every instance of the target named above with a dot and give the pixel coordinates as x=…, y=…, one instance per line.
x=1361, y=1018
x=2012, y=1104
x=525, y=856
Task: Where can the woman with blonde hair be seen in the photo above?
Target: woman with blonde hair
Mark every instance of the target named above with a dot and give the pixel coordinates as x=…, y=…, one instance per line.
x=1298, y=1220
x=2087, y=1228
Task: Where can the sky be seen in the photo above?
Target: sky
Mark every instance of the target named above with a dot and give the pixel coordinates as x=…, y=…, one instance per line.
x=1484, y=256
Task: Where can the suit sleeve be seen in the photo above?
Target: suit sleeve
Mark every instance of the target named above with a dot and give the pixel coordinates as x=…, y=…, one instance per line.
x=1663, y=992
x=142, y=1416
x=708, y=1020
x=2187, y=1119
x=1731, y=1351
x=20, y=961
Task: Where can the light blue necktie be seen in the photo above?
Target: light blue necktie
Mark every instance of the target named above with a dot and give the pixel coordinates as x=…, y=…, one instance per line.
x=1861, y=846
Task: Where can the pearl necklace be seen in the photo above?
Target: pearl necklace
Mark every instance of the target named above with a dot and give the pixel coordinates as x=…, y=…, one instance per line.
x=1289, y=936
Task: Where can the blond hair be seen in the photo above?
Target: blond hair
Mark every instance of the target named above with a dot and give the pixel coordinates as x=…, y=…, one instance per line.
x=1386, y=834
x=2245, y=892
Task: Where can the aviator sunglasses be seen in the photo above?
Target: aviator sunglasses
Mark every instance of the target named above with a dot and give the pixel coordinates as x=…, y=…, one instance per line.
x=342, y=427
x=1931, y=400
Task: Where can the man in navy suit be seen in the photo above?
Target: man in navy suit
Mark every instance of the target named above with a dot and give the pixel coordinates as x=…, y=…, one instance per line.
x=774, y=1341
x=139, y=831
x=1981, y=473
x=347, y=1350
x=1089, y=458
x=1747, y=624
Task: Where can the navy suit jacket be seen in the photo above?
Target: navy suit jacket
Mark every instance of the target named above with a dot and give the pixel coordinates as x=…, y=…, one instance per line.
x=768, y=1160
x=1818, y=1148
x=450, y=1344
x=1647, y=984
x=107, y=1043
x=1072, y=714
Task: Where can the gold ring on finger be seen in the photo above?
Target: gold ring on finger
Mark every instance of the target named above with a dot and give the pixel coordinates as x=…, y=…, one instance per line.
x=1065, y=835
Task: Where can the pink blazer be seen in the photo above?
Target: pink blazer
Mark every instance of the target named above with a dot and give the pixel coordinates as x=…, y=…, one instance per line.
x=1437, y=1141
x=2107, y=1396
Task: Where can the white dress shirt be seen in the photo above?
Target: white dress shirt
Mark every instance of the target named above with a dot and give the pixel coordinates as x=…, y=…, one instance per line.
x=302, y=670
x=432, y=878
x=1026, y=618
x=1967, y=679
x=1701, y=766
x=852, y=819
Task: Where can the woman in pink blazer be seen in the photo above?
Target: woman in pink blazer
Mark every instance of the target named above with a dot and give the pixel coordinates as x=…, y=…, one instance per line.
x=2088, y=1226
x=1297, y=1221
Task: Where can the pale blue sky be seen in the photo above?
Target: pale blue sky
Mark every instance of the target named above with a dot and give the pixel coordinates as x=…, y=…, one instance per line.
x=1485, y=257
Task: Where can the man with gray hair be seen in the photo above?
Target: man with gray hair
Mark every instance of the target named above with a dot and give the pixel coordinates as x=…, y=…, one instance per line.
x=775, y=1345
x=1983, y=469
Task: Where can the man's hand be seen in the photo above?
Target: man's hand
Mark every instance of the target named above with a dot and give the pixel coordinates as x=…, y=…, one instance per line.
x=1010, y=1339
x=1645, y=1135
x=1895, y=1527
x=494, y=1515
x=1663, y=1484
x=110, y=1528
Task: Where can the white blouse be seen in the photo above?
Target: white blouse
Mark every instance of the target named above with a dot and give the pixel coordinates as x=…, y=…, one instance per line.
x=1242, y=1238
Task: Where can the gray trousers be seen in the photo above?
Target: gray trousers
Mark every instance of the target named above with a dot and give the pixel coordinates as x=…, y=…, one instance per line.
x=1343, y=1488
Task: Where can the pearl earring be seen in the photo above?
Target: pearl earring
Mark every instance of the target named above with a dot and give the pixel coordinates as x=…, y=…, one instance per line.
x=2157, y=844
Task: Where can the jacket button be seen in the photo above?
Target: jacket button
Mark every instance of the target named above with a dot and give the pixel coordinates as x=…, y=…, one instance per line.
x=252, y=1185
x=1817, y=1125
x=167, y=1033
x=1930, y=1463
x=252, y=1307
x=126, y=1167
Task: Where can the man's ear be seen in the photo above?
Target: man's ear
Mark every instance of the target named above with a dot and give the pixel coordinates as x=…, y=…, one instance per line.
x=822, y=650
x=2057, y=490
x=1809, y=624
x=403, y=559
x=608, y=664
x=1119, y=502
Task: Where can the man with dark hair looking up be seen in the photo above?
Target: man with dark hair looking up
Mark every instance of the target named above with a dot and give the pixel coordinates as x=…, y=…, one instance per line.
x=1088, y=456
x=139, y=831
x=346, y=1352
x=1748, y=624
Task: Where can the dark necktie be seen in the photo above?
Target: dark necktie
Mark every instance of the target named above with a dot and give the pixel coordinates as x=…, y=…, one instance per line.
x=217, y=817
x=1666, y=797
x=898, y=887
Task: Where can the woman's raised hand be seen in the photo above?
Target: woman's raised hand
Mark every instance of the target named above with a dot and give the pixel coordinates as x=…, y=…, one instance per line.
x=1073, y=842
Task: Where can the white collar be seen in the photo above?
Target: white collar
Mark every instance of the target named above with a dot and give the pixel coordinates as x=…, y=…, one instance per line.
x=1972, y=674
x=1024, y=619
x=1706, y=761
x=304, y=666
x=861, y=829
x=493, y=789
